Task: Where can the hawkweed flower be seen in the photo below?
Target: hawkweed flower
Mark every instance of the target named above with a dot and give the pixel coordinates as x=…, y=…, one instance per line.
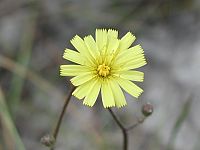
x=104, y=64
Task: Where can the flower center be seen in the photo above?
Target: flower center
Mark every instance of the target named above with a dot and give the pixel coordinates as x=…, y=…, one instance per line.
x=103, y=70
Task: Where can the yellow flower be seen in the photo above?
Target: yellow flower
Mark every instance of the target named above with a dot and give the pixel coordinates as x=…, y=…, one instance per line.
x=105, y=64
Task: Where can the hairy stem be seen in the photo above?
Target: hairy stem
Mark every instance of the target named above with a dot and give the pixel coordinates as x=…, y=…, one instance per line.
x=136, y=124
x=123, y=129
x=57, y=128
x=125, y=140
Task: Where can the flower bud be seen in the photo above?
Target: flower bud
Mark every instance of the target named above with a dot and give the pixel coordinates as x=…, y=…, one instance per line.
x=147, y=109
x=48, y=140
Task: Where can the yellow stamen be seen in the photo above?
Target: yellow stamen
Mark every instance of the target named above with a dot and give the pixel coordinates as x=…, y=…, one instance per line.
x=103, y=70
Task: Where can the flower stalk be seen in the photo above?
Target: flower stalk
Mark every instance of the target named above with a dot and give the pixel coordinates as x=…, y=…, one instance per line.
x=124, y=129
x=50, y=140
x=56, y=131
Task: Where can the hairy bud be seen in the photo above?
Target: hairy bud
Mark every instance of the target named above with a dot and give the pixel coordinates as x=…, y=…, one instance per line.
x=147, y=109
x=48, y=140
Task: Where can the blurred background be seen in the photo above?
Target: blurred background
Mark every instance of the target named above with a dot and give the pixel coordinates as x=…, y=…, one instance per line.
x=33, y=35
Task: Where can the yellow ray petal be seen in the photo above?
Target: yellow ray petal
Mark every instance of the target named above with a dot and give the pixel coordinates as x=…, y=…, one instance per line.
x=130, y=87
x=74, y=56
x=113, y=33
x=118, y=94
x=107, y=95
x=113, y=41
x=135, y=64
x=101, y=39
x=81, y=91
x=126, y=41
x=130, y=53
x=79, y=44
x=82, y=78
x=93, y=92
x=113, y=44
x=73, y=70
x=131, y=75
x=137, y=49
x=131, y=62
x=92, y=46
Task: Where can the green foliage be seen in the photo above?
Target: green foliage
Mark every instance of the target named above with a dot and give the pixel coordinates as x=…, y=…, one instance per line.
x=8, y=126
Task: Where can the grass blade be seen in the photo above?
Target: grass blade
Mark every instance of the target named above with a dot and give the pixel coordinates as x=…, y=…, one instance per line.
x=7, y=124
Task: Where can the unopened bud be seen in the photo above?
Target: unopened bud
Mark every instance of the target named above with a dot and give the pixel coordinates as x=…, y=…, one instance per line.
x=147, y=109
x=48, y=140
